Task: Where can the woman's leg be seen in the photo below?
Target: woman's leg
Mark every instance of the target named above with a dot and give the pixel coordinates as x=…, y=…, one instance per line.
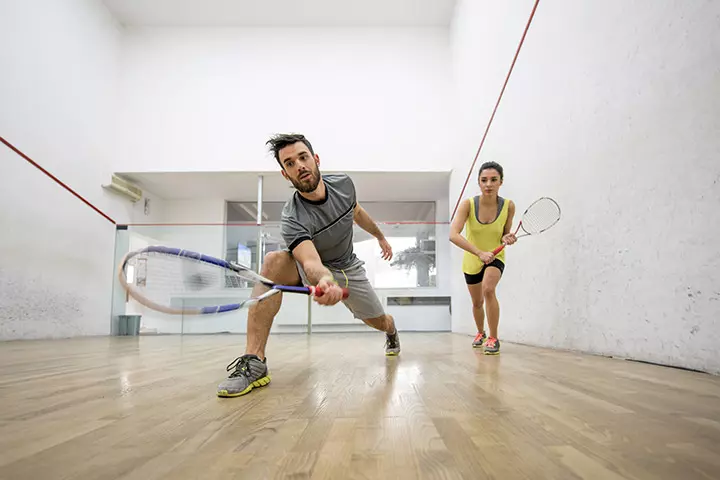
x=489, y=284
x=474, y=283
x=476, y=295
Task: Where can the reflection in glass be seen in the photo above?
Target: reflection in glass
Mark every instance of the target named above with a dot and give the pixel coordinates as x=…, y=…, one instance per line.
x=408, y=226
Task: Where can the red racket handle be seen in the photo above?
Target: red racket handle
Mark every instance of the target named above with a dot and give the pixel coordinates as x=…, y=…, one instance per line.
x=318, y=292
x=500, y=248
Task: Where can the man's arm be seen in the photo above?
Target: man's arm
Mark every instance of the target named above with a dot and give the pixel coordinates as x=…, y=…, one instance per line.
x=316, y=273
x=299, y=242
x=362, y=218
x=307, y=255
x=364, y=221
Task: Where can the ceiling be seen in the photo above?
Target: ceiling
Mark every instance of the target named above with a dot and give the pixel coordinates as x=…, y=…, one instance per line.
x=283, y=13
x=242, y=187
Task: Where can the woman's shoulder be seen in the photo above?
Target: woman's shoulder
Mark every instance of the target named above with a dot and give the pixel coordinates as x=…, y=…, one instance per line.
x=508, y=206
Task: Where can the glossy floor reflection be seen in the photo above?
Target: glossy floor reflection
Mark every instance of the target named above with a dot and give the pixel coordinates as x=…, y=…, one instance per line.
x=106, y=408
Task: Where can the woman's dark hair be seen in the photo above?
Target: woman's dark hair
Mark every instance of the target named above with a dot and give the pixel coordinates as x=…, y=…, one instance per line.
x=282, y=140
x=491, y=165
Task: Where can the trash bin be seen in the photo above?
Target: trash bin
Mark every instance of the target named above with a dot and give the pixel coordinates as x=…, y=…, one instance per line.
x=129, y=325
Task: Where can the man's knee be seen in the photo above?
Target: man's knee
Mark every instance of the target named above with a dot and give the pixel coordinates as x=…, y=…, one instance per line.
x=382, y=322
x=279, y=265
x=381, y=318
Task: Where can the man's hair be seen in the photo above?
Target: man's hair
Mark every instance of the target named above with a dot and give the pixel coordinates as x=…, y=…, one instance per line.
x=281, y=140
x=491, y=165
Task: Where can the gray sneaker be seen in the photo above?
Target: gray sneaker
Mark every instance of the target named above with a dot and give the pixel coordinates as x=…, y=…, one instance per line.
x=492, y=346
x=480, y=339
x=250, y=372
x=392, y=344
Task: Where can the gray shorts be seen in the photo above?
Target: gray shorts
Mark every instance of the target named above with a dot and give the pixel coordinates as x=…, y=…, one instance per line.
x=363, y=302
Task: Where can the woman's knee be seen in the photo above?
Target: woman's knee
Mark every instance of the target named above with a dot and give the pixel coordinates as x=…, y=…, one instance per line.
x=488, y=292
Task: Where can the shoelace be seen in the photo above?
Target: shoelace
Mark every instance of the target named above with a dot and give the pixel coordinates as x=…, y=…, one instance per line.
x=479, y=336
x=241, y=366
x=491, y=342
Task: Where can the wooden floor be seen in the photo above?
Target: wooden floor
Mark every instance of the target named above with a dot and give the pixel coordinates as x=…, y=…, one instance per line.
x=145, y=408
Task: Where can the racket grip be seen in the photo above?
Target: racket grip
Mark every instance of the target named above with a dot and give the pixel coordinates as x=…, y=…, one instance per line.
x=498, y=249
x=318, y=292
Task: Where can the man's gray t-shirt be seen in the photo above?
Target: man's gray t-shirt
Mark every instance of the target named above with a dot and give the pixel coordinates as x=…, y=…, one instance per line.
x=327, y=223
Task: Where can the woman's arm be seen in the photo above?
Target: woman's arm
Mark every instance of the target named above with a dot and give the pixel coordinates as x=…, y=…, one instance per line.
x=509, y=238
x=456, y=237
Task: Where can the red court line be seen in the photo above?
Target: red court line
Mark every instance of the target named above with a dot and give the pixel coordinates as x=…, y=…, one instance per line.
x=253, y=224
x=487, y=129
x=218, y=224
x=59, y=182
x=413, y=223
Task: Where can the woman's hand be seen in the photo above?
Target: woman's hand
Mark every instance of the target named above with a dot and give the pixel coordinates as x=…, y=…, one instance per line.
x=486, y=257
x=509, y=239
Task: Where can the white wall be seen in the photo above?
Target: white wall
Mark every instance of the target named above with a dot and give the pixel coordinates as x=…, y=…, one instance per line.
x=208, y=238
x=613, y=110
x=208, y=99
x=57, y=93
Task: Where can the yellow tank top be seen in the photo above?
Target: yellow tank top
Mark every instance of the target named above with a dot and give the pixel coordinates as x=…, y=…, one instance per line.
x=485, y=236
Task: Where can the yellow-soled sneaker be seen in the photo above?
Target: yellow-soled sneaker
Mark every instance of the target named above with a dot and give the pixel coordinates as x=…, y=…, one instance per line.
x=492, y=346
x=479, y=340
x=392, y=344
x=249, y=372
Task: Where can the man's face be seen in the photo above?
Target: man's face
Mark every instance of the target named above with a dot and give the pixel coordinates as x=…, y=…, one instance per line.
x=300, y=167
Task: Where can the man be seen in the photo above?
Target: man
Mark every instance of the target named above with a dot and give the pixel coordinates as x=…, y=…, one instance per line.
x=317, y=225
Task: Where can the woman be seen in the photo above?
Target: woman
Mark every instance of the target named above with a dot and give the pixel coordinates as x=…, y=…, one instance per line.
x=487, y=219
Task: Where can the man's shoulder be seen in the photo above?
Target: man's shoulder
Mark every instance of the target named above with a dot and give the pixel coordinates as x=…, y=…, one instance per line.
x=290, y=208
x=341, y=186
x=338, y=180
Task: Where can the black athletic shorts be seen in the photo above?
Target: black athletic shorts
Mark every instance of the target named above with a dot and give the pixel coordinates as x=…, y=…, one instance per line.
x=476, y=278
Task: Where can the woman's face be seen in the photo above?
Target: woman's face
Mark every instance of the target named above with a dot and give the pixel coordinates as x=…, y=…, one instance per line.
x=490, y=181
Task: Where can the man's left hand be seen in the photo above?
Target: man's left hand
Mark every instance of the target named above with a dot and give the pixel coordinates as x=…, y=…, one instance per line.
x=386, y=249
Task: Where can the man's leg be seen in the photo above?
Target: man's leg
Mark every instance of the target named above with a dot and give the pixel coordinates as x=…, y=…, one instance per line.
x=386, y=323
x=250, y=370
x=279, y=267
x=365, y=305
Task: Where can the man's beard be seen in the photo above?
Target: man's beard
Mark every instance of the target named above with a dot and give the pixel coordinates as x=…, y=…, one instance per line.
x=307, y=185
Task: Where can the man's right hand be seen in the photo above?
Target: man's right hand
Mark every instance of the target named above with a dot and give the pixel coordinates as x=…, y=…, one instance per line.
x=332, y=293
